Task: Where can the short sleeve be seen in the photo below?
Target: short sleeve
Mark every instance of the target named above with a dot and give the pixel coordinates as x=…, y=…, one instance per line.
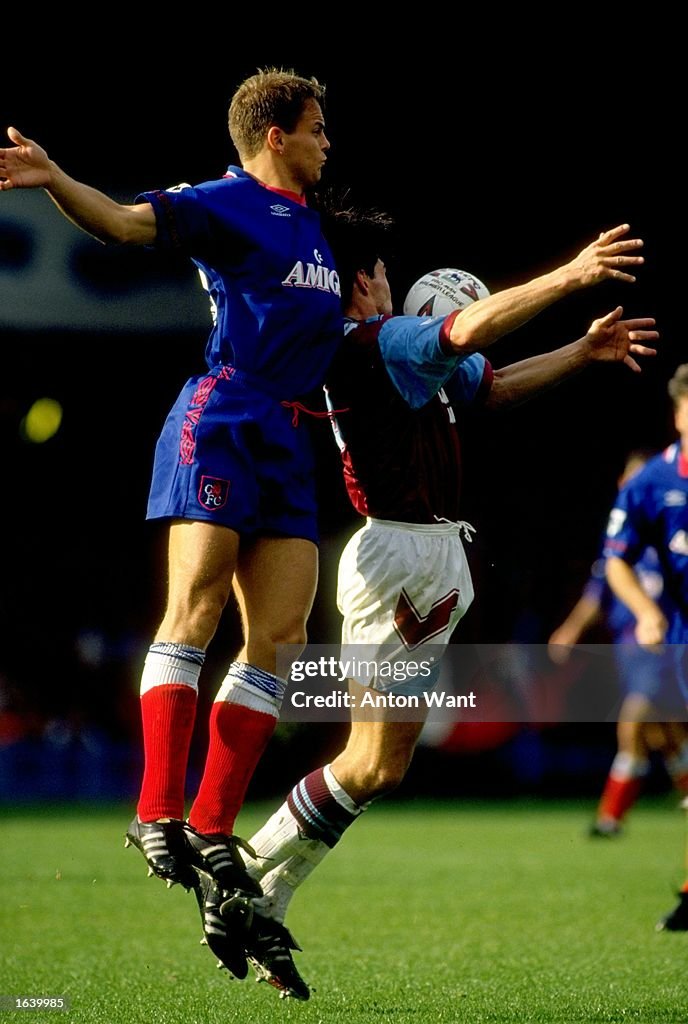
x=181, y=218
x=470, y=383
x=414, y=357
x=626, y=534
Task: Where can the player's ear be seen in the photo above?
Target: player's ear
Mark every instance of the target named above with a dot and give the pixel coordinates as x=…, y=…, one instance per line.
x=275, y=139
x=361, y=281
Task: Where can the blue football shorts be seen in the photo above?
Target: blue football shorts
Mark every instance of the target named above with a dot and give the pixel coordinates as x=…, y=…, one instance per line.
x=650, y=675
x=230, y=454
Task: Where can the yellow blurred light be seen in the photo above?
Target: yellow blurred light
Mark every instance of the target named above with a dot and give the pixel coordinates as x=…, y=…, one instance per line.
x=42, y=421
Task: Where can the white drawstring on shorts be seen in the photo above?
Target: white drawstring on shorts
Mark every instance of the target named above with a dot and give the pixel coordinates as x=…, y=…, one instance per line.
x=465, y=528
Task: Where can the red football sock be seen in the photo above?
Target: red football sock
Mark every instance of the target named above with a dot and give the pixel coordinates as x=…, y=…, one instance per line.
x=618, y=796
x=238, y=737
x=167, y=714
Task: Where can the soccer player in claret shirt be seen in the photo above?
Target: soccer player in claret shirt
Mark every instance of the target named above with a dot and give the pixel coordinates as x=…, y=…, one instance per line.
x=397, y=389
x=653, y=509
x=648, y=681
x=232, y=474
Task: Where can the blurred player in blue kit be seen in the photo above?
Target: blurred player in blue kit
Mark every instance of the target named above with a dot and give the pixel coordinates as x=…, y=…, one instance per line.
x=652, y=509
x=232, y=474
x=398, y=390
x=648, y=681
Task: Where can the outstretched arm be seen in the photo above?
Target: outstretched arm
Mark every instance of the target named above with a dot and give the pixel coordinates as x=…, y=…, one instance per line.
x=609, y=339
x=609, y=257
x=584, y=614
x=27, y=165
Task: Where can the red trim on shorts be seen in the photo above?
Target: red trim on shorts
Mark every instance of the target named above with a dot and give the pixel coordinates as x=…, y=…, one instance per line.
x=297, y=407
x=192, y=416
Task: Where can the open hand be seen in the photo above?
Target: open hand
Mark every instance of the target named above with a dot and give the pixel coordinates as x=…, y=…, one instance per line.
x=24, y=165
x=613, y=340
x=607, y=257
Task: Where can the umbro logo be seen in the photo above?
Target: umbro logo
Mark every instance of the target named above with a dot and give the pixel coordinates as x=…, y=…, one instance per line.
x=673, y=499
x=280, y=211
x=678, y=544
x=617, y=517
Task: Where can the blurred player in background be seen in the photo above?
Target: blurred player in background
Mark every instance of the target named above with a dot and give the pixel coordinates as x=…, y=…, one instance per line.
x=648, y=681
x=652, y=510
x=232, y=474
x=398, y=389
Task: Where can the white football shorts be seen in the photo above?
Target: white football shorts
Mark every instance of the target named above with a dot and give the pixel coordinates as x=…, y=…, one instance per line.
x=402, y=588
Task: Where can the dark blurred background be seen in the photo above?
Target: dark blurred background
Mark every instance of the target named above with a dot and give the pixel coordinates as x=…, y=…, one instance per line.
x=496, y=154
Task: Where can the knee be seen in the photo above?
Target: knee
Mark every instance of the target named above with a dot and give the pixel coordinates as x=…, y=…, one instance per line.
x=262, y=645
x=291, y=633
x=270, y=635
x=193, y=617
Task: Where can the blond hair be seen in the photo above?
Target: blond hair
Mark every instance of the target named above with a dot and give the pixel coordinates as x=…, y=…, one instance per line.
x=273, y=96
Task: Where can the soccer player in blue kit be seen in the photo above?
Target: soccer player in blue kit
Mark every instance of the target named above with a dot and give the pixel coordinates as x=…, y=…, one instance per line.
x=232, y=473
x=653, y=510
x=398, y=389
x=648, y=680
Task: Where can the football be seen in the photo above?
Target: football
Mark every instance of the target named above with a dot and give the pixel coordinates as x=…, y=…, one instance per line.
x=441, y=291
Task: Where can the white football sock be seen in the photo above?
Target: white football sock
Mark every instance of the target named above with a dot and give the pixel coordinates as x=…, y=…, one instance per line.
x=285, y=854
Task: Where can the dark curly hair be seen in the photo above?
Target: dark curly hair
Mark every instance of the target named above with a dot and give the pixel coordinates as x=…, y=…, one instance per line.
x=358, y=236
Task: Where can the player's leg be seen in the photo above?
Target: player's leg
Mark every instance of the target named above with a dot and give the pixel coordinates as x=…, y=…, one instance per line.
x=643, y=676
x=201, y=562
x=376, y=758
x=323, y=804
x=203, y=485
x=275, y=585
x=379, y=561
x=276, y=578
x=628, y=770
x=312, y=820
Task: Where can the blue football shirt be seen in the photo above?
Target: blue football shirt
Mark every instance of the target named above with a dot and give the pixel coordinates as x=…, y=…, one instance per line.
x=269, y=273
x=652, y=510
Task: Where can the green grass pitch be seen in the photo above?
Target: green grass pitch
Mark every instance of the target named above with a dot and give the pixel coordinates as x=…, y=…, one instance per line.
x=426, y=912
